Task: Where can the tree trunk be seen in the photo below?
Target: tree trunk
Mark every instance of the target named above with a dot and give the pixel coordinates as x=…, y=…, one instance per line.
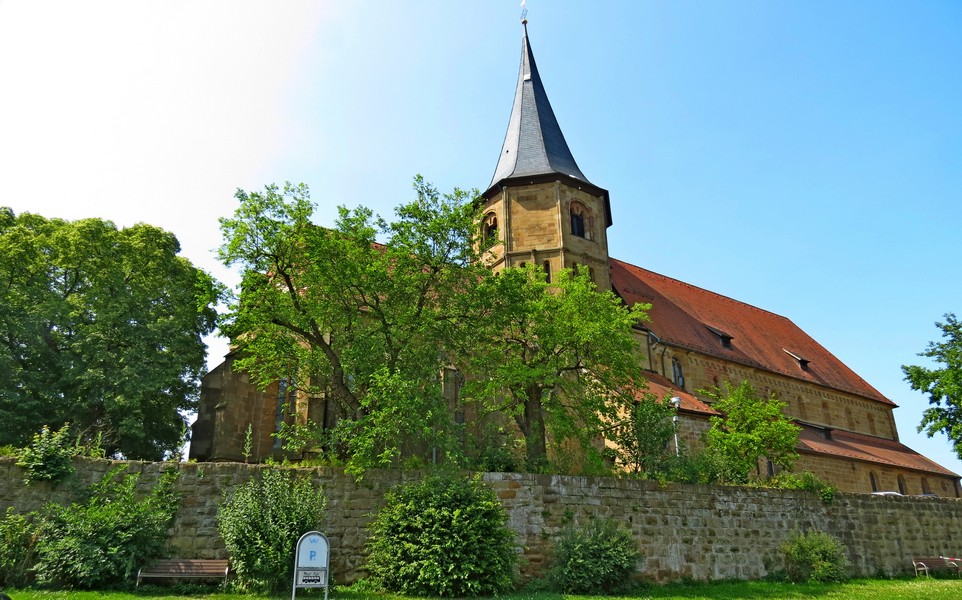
x=535, y=434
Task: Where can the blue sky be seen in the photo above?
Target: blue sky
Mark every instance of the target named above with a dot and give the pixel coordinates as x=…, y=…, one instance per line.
x=803, y=157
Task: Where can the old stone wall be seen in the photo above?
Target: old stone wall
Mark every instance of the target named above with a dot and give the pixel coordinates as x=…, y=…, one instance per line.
x=699, y=532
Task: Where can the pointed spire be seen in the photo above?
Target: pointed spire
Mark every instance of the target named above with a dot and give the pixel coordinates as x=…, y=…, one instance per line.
x=534, y=146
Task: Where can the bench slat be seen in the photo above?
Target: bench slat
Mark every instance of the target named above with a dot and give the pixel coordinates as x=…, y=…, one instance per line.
x=184, y=567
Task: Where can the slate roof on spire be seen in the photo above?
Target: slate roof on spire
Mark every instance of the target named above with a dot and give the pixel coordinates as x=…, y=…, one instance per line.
x=534, y=146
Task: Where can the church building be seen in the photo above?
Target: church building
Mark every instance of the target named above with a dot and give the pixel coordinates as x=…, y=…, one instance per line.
x=544, y=211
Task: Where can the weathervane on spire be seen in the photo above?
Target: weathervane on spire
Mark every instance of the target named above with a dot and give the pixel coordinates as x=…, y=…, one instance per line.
x=524, y=13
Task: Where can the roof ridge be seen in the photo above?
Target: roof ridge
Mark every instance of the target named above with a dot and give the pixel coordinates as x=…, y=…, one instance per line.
x=692, y=296
x=706, y=290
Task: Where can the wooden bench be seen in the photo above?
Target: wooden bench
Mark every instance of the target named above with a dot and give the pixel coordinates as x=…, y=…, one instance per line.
x=185, y=568
x=936, y=563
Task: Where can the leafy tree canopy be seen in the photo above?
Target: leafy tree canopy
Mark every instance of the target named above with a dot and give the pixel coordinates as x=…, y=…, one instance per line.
x=333, y=311
x=644, y=436
x=559, y=359
x=943, y=384
x=752, y=427
x=100, y=327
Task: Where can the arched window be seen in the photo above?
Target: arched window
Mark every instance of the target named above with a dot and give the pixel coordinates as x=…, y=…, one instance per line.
x=284, y=394
x=925, y=486
x=873, y=481
x=580, y=220
x=546, y=265
x=902, y=485
x=489, y=227
x=677, y=373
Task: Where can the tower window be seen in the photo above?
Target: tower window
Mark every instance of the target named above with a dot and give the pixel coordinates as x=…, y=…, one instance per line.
x=490, y=227
x=577, y=225
x=580, y=220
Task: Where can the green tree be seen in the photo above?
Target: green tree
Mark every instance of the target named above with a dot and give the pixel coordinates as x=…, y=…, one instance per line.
x=644, y=435
x=750, y=427
x=559, y=359
x=943, y=385
x=101, y=327
x=372, y=325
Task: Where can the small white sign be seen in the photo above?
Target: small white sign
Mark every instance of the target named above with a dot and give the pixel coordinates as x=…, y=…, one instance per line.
x=312, y=559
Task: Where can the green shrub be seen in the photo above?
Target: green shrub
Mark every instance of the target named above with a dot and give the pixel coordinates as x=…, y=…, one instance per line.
x=104, y=538
x=261, y=522
x=695, y=466
x=442, y=536
x=17, y=553
x=804, y=481
x=48, y=457
x=599, y=557
x=814, y=556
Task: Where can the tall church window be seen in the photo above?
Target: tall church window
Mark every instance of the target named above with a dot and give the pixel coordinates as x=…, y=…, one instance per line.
x=489, y=227
x=873, y=481
x=580, y=220
x=547, y=270
x=677, y=373
x=282, y=392
x=902, y=485
x=925, y=486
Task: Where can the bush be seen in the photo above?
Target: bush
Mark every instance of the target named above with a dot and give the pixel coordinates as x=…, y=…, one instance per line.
x=599, y=557
x=106, y=537
x=814, y=556
x=442, y=536
x=17, y=553
x=804, y=481
x=48, y=456
x=696, y=466
x=261, y=522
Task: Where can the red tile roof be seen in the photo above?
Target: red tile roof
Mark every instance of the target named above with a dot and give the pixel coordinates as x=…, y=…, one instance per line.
x=869, y=449
x=693, y=318
x=661, y=387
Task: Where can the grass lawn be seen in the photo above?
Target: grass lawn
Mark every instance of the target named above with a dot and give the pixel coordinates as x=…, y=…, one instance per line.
x=865, y=589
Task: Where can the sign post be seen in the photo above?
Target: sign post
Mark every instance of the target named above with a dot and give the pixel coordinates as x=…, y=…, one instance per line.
x=312, y=561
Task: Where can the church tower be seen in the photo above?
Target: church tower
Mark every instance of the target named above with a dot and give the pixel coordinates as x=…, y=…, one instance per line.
x=539, y=205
